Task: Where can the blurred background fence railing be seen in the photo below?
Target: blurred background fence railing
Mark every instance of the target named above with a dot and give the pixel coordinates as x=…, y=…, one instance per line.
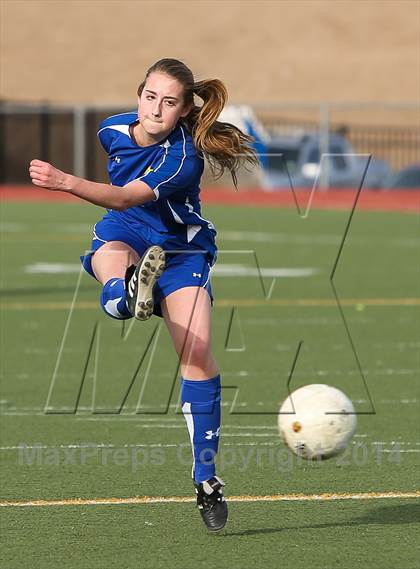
x=66, y=135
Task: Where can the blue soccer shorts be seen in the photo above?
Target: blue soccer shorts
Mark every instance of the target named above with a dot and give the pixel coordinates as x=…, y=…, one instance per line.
x=184, y=267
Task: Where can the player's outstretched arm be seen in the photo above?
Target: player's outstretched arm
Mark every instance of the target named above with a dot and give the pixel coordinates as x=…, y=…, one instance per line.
x=47, y=176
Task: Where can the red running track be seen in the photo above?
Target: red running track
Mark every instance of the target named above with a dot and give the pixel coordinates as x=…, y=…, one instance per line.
x=376, y=200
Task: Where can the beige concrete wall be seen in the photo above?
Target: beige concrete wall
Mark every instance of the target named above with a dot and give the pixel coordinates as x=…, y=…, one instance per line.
x=97, y=51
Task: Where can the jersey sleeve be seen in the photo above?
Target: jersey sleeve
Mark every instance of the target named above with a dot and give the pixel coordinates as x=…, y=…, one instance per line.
x=105, y=136
x=176, y=171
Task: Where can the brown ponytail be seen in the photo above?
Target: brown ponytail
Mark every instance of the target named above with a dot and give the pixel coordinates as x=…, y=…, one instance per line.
x=224, y=145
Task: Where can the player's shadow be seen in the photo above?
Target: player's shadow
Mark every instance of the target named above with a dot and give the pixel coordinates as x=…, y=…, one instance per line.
x=384, y=515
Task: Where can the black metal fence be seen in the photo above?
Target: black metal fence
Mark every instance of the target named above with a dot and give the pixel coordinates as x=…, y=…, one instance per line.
x=399, y=146
x=49, y=133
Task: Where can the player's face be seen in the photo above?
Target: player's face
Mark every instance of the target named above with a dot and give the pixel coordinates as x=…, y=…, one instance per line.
x=161, y=105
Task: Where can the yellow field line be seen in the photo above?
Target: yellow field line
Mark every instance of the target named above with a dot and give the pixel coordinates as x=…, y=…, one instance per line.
x=247, y=302
x=140, y=500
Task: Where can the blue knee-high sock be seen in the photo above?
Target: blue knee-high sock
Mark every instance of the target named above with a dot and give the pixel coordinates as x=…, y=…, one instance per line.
x=113, y=299
x=201, y=409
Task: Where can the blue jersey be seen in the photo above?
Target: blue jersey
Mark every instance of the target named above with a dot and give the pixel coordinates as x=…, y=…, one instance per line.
x=172, y=168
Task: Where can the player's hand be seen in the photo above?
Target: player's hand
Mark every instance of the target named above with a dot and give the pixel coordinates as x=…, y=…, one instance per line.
x=45, y=175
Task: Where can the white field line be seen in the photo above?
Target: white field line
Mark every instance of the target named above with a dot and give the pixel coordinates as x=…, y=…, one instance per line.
x=246, y=302
x=81, y=408
x=277, y=441
x=183, y=426
x=303, y=239
x=389, y=450
x=227, y=235
x=101, y=415
x=220, y=270
x=140, y=445
x=23, y=446
x=142, y=500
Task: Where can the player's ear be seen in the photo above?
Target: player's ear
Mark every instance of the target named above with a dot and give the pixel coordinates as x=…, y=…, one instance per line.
x=186, y=111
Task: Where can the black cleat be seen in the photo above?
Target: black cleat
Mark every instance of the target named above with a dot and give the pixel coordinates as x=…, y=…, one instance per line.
x=211, y=503
x=140, y=280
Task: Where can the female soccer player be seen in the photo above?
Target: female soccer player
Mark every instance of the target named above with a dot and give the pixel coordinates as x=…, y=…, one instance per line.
x=153, y=251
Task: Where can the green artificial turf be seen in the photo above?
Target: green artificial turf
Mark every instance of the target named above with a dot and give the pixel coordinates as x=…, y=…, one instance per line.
x=83, y=364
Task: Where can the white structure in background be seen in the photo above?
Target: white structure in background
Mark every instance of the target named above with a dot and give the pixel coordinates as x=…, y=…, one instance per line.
x=244, y=118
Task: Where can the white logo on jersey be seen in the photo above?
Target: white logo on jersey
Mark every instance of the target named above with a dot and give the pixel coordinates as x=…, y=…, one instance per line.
x=197, y=275
x=117, y=159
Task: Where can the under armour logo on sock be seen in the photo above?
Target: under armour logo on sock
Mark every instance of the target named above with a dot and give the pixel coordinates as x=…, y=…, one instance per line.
x=211, y=434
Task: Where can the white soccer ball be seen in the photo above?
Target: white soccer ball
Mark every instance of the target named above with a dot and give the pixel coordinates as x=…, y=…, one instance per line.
x=317, y=421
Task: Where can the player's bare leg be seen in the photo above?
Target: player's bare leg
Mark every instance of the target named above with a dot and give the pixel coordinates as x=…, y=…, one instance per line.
x=112, y=260
x=187, y=313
